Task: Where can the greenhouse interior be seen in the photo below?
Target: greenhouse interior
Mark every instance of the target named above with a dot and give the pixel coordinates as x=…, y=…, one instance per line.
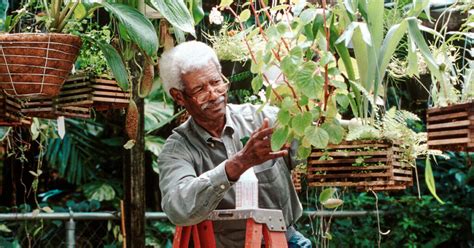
x=233, y=123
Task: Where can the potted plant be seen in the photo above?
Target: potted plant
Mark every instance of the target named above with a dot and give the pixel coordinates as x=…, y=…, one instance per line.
x=450, y=120
x=233, y=55
x=320, y=78
x=43, y=72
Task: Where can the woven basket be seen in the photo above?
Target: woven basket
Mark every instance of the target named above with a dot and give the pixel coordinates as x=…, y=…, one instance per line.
x=34, y=65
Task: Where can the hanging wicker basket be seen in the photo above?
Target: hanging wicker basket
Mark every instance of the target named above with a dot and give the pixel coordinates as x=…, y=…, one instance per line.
x=33, y=65
x=366, y=165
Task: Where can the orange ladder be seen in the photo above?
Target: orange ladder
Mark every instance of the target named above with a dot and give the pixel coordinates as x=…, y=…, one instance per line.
x=269, y=222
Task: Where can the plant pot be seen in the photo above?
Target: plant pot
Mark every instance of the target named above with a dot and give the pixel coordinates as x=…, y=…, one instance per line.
x=451, y=128
x=36, y=65
x=367, y=165
x=102, y=93
x=10, y=112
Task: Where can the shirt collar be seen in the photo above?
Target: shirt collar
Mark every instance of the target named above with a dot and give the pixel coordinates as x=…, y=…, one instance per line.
x=229, y=128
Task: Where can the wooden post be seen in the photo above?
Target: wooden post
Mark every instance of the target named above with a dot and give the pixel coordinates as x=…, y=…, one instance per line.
x=134, y=174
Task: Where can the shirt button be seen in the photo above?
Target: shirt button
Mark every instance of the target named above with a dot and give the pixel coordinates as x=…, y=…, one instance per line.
x=222, y=186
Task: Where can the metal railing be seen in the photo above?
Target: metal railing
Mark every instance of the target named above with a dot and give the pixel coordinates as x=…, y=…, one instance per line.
x=94, y=229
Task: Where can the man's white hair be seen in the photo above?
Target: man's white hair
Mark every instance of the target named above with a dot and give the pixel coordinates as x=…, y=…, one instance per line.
x=186, y=57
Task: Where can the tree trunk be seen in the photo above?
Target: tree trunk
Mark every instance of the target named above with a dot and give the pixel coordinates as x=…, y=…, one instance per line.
x=134, y=174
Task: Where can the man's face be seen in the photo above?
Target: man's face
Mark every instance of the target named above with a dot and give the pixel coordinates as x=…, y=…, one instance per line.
x=203, y=95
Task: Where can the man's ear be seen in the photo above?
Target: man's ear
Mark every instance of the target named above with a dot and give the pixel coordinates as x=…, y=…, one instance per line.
x=177, y=96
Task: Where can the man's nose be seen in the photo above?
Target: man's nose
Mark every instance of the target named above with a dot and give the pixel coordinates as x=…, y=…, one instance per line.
x=213, y=95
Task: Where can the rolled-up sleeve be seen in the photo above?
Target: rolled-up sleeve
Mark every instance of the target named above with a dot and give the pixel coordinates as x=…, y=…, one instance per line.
x=188, y=199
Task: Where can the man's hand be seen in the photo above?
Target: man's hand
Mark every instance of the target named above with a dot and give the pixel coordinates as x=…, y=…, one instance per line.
x=256, y=151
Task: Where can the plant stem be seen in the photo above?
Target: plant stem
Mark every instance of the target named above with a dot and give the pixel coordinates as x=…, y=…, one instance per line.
x=264, y=7
x=63, y=22
x=326, y=77
x=276, y=54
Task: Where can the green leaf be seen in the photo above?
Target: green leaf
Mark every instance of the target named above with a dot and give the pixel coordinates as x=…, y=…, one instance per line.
x=326, y=194
x=301, y=121
x=390, y=43
x=335, y=131
x=326, y=58
x=287, y=103
x=197, y=11
x=303, y=152
x=303, y=100
x=226, y=3
x=244, y=15
x=420, y=42
x=289, y=65
x=332, y=203
x=307, y=16
x=257, y=83
x=376, y=23
x=317, y=136
x=282, y=28
x=283, y=117
x=4, y=132
x=279, y=138
x=307, y=82
x=4, y=228
x=99, y=191
x=342, y=100
x=429, y=179
x=80, y=11
x=139, y=28
x=35, y=129
x=115, y=63
x=154, y=144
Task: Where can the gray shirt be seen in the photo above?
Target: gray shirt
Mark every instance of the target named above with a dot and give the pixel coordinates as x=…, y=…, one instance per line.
x=193, y=180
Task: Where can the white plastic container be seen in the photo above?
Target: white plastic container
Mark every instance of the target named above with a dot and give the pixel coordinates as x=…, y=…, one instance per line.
x=246, y=191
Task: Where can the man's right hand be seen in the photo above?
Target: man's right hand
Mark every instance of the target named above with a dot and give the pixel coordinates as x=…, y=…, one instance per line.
x=256, y=151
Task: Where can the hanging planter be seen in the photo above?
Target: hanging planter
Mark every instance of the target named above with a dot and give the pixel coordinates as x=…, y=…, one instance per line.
x=102, y=93
x=33, y=65
x=47, y=108
x=10, y=114
x=367, y=165
x=451, y=128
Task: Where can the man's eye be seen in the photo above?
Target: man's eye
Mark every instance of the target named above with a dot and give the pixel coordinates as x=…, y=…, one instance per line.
x=196, y=91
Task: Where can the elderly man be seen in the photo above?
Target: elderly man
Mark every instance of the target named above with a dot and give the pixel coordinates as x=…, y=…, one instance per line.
x=205, y=156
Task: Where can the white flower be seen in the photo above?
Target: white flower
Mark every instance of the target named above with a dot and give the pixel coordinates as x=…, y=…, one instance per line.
x=215, y=17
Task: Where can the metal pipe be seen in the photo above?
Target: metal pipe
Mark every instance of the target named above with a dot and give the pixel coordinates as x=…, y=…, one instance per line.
x=152, y=215
x=71, y=233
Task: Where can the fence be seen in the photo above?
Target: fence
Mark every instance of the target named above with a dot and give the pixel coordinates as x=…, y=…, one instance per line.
x=96, y=229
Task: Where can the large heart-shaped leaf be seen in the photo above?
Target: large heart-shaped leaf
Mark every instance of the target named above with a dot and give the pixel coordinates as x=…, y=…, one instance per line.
x=176, y=13
x=99, y=191
x=317, y=136
x=115, y=63
x=139, y=28
x=336, y=132
x=279, y=138
x=326, y=194
x=301, y=121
